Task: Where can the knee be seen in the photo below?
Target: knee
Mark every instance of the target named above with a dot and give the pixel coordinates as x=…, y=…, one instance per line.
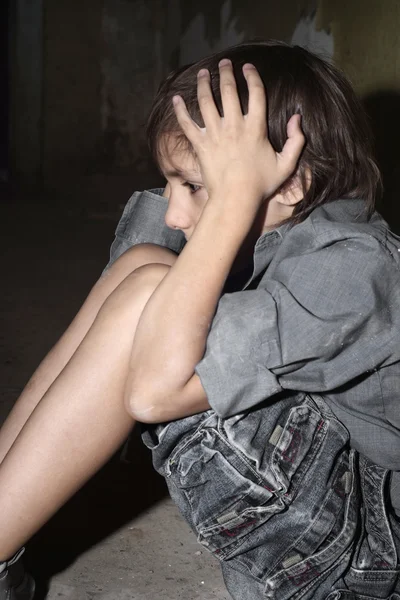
x=142, y=255
x=150, y=274
x=134, y=291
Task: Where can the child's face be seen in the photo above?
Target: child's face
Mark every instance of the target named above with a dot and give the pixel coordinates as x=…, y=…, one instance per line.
x=187, y=195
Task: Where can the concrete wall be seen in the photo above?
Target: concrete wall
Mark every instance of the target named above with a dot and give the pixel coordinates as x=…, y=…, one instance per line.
x=72, y=93
x=248, y=19
x=204, y=33
x=367, y=41
x=367, y=48
x=131, y=65
x=103, y=63
x=103, y=60
x=361, y=36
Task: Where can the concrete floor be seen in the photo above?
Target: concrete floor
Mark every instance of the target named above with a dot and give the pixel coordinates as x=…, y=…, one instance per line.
x=120, y=537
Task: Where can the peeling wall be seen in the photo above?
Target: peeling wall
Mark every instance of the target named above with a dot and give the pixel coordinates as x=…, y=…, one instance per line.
x=197, y=40
x=103, y=63
x=210, y=26
x=361, y=36
x=104, y=59
x=308, y=34
x=365, y=32
x=367, y=41
x=250, y=19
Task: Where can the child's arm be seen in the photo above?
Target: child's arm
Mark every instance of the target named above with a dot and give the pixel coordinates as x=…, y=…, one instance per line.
x=237, y=163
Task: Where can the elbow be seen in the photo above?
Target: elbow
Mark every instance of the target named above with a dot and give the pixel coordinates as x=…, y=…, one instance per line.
x=145, y=404
x=142, y=408
x=152, y=407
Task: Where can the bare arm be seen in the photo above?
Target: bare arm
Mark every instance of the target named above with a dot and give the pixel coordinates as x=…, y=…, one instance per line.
x=172, y=332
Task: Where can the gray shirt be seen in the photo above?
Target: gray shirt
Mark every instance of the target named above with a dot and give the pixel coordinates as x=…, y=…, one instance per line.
x=324, y=318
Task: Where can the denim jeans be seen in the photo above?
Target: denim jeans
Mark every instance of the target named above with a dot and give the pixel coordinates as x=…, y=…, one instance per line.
x=279, y=497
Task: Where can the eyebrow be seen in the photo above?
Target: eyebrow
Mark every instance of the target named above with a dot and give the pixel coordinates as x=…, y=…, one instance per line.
x=186, y=175
x=174, y=173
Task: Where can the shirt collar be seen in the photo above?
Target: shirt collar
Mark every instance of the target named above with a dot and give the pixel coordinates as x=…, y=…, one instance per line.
x=344, y=209
x=265, y=249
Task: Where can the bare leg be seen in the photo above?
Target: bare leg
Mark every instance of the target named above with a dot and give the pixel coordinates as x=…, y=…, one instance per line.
x=61, y=353
x=79, y=423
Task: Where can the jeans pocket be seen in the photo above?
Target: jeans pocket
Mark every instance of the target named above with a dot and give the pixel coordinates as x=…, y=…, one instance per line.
x=228, y=498
x=326, y=540
x=297, y=442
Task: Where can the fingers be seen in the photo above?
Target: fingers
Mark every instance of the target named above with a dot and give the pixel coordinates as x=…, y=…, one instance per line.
x=212, y=120
x=229, y=95
x=205, y=99
x=207, y=106
x=293, y=147
x=257, y=112
x=188, y=126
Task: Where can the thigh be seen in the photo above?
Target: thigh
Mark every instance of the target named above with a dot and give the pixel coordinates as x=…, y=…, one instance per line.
x=130, y=262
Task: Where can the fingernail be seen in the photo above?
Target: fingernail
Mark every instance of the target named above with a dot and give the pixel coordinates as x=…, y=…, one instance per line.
x=225, y=62
x=176, y=99
x=202, y=73
x=248, y=66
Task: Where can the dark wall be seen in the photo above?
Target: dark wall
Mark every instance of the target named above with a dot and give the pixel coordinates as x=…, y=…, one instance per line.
x=4, y=86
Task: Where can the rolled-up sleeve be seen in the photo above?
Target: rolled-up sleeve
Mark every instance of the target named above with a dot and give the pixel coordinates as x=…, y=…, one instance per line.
x=319, y=321
x=234, y=370
x=143, y=222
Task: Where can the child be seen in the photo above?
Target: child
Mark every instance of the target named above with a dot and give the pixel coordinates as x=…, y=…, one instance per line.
x=250, y=444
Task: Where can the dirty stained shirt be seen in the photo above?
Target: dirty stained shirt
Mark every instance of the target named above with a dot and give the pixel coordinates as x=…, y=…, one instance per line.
x=324, y=318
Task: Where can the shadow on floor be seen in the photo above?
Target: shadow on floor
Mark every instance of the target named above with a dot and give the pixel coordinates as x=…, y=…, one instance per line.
x=117, y=494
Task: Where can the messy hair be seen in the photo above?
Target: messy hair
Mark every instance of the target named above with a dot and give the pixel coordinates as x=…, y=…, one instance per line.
x=338, y=151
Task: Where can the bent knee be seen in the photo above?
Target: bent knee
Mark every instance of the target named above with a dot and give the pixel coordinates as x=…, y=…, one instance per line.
x=144, y=254
x=133, y=259
x=135, y=290
x=150, y=274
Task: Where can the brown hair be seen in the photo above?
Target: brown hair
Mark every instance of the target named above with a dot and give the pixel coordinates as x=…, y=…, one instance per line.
x=338, y=150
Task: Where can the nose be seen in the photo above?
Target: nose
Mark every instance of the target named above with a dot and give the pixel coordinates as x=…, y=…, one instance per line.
x=177, y=215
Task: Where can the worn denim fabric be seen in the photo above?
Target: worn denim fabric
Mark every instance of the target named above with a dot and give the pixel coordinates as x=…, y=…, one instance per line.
x=277, y=495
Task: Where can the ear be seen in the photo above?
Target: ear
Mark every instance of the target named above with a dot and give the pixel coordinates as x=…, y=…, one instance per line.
x=291, y=193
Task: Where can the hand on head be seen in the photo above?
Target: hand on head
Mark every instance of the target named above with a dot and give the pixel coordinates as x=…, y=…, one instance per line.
x=233, y=151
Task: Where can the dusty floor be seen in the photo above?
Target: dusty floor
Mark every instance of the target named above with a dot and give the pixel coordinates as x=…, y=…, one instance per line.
x=120, y=538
